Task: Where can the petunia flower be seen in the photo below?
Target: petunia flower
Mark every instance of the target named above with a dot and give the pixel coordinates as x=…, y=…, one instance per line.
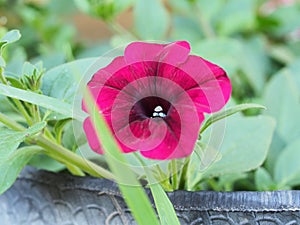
x=154, y=98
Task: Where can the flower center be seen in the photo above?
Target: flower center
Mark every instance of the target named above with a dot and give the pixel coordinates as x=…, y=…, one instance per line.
x=150, y=107
x=158, y=112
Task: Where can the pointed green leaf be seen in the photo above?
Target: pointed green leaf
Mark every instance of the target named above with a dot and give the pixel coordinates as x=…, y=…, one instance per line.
x=12, y=166
x=10, y=139
x=228, y=112
x=163, y=204
x=50, y=103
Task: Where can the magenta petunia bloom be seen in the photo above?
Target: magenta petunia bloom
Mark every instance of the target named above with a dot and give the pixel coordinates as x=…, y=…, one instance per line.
x=154, y=98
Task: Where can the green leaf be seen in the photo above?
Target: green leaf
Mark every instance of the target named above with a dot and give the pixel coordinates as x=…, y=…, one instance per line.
x=228, y=112
x=42, y=161
x=151, y=19
x=50, y=103
x=2, y=61
x=287, y=169
x=255, y=63
x=12, y=166
x=207, y=155
x=185, y=28
x=8, y=38
x=131, y=189
x=288, y=19
x=245, y=144
x=276, y=147
x=10, y=139
x=263, y=180
x=83, y=5
x=236, y=16
x=62, y=83
x=282, y=99
x=163, y=204
x=227, y=181
x=213, y=50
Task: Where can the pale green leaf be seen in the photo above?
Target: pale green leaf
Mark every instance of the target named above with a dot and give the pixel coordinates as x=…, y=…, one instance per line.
x=62, y=83
x=243, y=144
x=287, y=166
x=213, y=50
x=282, y=99
x=50, y=103
x=263, y=180
x=236, y=16
x=151, y=19
x=9, y=37
x=255, y=63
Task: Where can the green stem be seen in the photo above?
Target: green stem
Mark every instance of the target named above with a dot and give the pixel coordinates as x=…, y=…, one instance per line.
x=36, y=113
x=75, y=170
x=23, y=111
x=204, y=24
x=213, y=184
x=64, y=155
x=119, y=29
x=174, y=174
x=49, y=135
x=10, y=123
x=60, y=153
x=184, y=173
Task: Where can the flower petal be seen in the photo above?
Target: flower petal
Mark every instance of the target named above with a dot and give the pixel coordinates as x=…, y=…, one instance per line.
x=213, y=86
x=137, y=52
x=173, y=53
x=178, y=142
x=91, y=135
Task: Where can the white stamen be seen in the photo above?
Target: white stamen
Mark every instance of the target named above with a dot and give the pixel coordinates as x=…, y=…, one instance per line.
x=158, y=108
x=161, y=114
x=155, y=114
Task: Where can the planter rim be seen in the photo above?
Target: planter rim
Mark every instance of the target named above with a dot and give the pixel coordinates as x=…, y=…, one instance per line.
x=241, y=201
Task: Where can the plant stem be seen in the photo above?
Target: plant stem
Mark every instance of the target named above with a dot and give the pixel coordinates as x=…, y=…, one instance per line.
x=10, y=123
x=60, y=153
x=204, y=24
x=64, y=155
x=174, y=174
x=119, y=29
x=184, y=173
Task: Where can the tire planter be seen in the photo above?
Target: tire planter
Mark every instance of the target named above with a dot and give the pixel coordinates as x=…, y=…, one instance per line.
x=40, y=197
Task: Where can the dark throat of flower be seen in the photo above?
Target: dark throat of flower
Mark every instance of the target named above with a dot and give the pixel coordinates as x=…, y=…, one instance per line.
x=150, y=107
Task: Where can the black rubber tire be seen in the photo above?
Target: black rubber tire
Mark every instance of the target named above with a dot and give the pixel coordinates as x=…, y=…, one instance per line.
x=40, y=197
